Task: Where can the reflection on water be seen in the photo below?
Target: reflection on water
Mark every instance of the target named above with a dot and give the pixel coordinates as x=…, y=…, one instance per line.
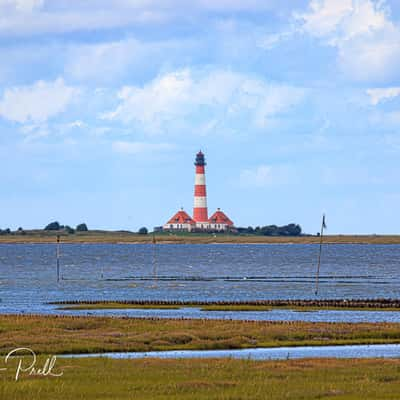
x=281, y=353
x=193, y=272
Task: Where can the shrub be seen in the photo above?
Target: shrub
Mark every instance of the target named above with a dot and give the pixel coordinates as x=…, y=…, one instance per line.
x=69, y=230
x=82, y=228
x=53, y=226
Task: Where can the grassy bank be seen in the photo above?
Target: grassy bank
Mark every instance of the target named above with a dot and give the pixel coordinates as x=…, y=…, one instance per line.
x=209, y=379
x=113, y=305
x=55, y=335
x=40, y=236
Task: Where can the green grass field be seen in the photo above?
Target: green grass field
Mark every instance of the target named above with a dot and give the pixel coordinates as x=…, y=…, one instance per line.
x=105, y=379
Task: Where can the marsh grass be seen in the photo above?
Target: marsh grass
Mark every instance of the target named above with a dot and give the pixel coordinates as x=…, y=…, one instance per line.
x=56, y=334
x=104, y=379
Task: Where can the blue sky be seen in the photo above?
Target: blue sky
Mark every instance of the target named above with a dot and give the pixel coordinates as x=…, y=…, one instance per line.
x=296, y=104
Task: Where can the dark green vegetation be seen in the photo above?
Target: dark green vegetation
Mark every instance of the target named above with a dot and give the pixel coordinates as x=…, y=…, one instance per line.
x=55, y=335
x=272, y=230
x=62, y=229
x=143, y=231
x=82, y=228
x=103, y=379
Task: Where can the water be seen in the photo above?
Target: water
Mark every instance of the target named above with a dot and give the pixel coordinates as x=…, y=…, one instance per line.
x=281, y=353
x=205, y=272
x=273, y=315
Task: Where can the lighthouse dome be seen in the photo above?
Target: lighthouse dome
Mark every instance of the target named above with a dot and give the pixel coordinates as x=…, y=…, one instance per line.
x=200, y=160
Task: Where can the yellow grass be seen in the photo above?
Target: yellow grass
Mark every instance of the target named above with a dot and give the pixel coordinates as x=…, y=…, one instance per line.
x=52, y=334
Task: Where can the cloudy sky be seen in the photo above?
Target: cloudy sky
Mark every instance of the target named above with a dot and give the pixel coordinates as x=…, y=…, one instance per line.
x=296, y=104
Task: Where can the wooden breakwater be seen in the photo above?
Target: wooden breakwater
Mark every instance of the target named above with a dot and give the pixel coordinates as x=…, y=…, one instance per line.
x=323, y=303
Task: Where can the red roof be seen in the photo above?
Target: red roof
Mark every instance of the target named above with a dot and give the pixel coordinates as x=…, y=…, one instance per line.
x=220, y=218
x=181, y=217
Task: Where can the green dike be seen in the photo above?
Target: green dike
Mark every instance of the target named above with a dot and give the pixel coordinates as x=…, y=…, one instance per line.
x=60, y=335
x=208, y=379
x=93, y=236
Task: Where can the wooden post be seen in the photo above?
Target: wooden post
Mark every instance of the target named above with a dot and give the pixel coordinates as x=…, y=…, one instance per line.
x=154, y=260
x=58, y=258
x=323, y=225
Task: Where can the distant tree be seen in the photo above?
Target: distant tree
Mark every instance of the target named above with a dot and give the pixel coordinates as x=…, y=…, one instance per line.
x=248, y=230
x=69, y=230
x=269, y=230
x=143, y=231
x=82, y=228
x=53, y=226
x=20, y=229
x=294, y=229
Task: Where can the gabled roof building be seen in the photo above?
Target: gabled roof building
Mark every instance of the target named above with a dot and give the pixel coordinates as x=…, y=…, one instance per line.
x=180, y=221
x=219, y=221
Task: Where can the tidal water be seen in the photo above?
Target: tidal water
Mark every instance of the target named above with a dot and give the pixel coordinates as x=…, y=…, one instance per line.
x=28, y=275
x=280, y=353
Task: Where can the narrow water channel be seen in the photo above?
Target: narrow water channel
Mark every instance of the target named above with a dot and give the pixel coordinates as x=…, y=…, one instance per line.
x=280, y=353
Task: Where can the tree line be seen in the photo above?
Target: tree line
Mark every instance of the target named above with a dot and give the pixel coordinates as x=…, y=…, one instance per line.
x=56, y=226
x=268, y=230
x=272, y=230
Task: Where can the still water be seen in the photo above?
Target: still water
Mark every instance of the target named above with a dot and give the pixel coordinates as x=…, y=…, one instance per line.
x=280, y=353
x=28, y=277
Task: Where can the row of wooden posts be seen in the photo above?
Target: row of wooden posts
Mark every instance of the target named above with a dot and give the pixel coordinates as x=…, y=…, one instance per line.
x=343, y=303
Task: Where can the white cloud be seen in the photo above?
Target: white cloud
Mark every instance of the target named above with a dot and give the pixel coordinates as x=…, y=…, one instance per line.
x=270, y=41
x=123, y=58
x=22, y=5
x=37, y=102
x=175, y=100
x=109, y=59
x=378, y=95
x=59, y=16
x=367, y=40
x=324, y=16
x=76, y=124
x=135, y=148
x=258, y=177
x=266, y=175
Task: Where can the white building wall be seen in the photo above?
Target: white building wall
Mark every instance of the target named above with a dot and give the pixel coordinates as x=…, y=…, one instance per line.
x=187, y=227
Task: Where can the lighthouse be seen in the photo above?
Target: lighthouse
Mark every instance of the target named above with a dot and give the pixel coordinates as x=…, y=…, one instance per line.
x=200, y=213
x=181, y=221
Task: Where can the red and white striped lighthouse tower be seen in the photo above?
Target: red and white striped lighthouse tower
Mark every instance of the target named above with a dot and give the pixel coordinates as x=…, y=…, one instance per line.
x=200, y=213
